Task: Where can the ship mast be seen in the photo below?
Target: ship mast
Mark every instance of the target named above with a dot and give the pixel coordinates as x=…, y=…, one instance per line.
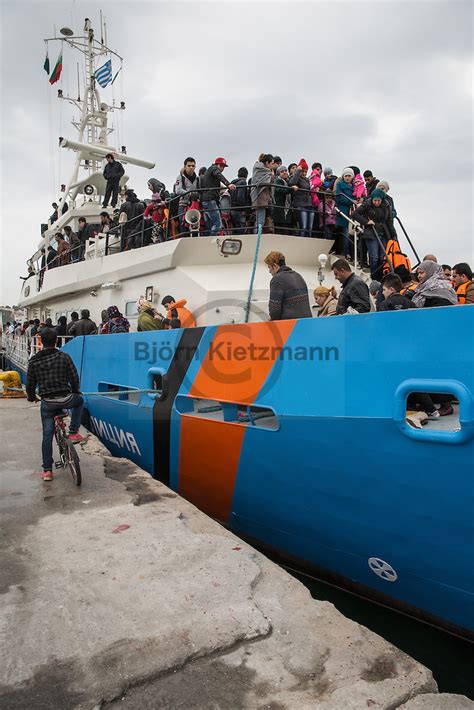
x=92, y=127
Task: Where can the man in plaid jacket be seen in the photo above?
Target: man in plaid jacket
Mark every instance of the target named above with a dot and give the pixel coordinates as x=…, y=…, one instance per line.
x=55, y=375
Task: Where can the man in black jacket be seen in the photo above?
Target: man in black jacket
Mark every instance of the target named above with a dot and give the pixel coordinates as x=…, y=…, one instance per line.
x=240, y=201
x=354, y=293
x=133, y=208
x=210, y=184
x=113, y=171
x=83, y=326
x=51, y=259
x=54, y=373
x=288, y=290
x=375, y=215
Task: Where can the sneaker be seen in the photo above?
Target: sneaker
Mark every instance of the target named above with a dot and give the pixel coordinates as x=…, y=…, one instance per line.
x=76, y=438
x=434, y=415
x=47, y=475
x=445, y=410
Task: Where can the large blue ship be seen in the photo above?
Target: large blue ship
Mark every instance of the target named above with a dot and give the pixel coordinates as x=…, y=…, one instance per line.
x=293, y=433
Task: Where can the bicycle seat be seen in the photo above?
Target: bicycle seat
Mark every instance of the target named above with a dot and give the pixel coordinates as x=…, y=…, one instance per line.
x=61, y=416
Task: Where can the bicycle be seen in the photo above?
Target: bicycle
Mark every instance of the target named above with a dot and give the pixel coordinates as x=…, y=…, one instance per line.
x=67, y=452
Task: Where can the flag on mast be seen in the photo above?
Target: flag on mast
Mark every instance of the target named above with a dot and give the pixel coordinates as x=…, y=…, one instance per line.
x=46, y=63
x=57, y=70
x=104, y=74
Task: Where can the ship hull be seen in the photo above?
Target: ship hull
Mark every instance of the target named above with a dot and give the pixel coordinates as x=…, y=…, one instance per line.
x=294, y=435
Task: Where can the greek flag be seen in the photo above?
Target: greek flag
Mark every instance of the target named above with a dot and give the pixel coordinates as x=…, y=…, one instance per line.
x=104, y=74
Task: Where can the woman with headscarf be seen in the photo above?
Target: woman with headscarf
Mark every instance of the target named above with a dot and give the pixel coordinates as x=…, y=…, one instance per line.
x=103, y=328
x=117, y=323
x=433, y=290
x=147, y=319
x=383, y=185
x=344, y=203
x=326, y=301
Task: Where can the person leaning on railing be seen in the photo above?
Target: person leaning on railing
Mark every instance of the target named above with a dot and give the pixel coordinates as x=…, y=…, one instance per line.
x=261, y=190
x=210, y=184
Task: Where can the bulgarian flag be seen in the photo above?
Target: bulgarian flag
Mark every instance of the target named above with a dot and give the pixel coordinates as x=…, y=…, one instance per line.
x=57, y=70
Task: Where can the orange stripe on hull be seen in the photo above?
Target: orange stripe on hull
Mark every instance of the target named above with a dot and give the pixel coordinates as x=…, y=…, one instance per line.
x=236, y=365
x=210, y=453
x=234, y=370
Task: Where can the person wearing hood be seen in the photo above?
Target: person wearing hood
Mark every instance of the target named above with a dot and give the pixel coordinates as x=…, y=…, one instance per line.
x=155, y=185
x=282, y=211
x=302, y=199
x=326, y=301
x=359, y=190
x=147, y=316
x=329, y=179
x=113, y=171
x=261, y=192
x=131, y=216
x=375, y=215
x=240, y=201
x=344, y=203
x=117, y=323
x=316, y=183
x=55, y=375
x=383, y=185
x=433, y=289
x=154, y=213
x=176, y=311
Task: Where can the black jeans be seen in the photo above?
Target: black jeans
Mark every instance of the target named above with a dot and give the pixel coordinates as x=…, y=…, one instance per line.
x=111, y=189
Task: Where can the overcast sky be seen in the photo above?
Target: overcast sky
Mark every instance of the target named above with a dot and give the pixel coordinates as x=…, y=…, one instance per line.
x=382, y=85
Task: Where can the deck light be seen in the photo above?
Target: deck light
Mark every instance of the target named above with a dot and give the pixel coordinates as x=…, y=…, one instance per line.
x=230, y=247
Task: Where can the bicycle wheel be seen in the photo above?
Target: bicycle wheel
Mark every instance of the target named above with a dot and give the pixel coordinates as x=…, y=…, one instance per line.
x=74, y=464
x=61, y=442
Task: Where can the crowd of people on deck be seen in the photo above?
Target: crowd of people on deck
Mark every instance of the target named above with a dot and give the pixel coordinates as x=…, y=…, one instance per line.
x=430, y=285
x=112, y=321
x=291, y=199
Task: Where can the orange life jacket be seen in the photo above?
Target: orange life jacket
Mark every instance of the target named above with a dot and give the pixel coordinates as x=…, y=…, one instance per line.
x=461, y=292
x=395, y=257
x=184, y=314
x=409, y=290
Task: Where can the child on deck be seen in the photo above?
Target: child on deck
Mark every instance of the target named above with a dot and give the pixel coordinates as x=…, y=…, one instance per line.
x=393, y=300
x=359, y=188
x=155, y=211
x=327, y=215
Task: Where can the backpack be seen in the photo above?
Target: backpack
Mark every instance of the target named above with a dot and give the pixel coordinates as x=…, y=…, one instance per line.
x=395, y=257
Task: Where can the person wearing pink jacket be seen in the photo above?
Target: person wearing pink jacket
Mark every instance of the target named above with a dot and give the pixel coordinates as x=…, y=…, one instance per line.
x=359, y=189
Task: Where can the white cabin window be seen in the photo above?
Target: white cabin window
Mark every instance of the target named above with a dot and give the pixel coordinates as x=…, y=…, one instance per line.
x=131, y=309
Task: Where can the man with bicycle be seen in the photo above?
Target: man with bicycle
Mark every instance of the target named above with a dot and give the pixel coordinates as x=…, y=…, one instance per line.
x=55, y=375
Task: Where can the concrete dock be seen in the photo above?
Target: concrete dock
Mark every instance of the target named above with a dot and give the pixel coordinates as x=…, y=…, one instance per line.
x=122, y=594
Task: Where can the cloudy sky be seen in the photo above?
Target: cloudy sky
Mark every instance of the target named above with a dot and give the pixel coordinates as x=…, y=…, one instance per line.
x=382, y=85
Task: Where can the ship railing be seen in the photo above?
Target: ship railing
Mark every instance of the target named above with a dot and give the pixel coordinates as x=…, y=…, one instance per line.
x=18, y=349
x=235, y=220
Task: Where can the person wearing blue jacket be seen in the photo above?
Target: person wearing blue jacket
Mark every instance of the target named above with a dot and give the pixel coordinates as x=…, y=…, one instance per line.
x=344, y=202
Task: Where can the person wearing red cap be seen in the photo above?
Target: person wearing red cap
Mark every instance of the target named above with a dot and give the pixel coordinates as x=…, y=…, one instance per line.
x=211, y=183
x=302, y=200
